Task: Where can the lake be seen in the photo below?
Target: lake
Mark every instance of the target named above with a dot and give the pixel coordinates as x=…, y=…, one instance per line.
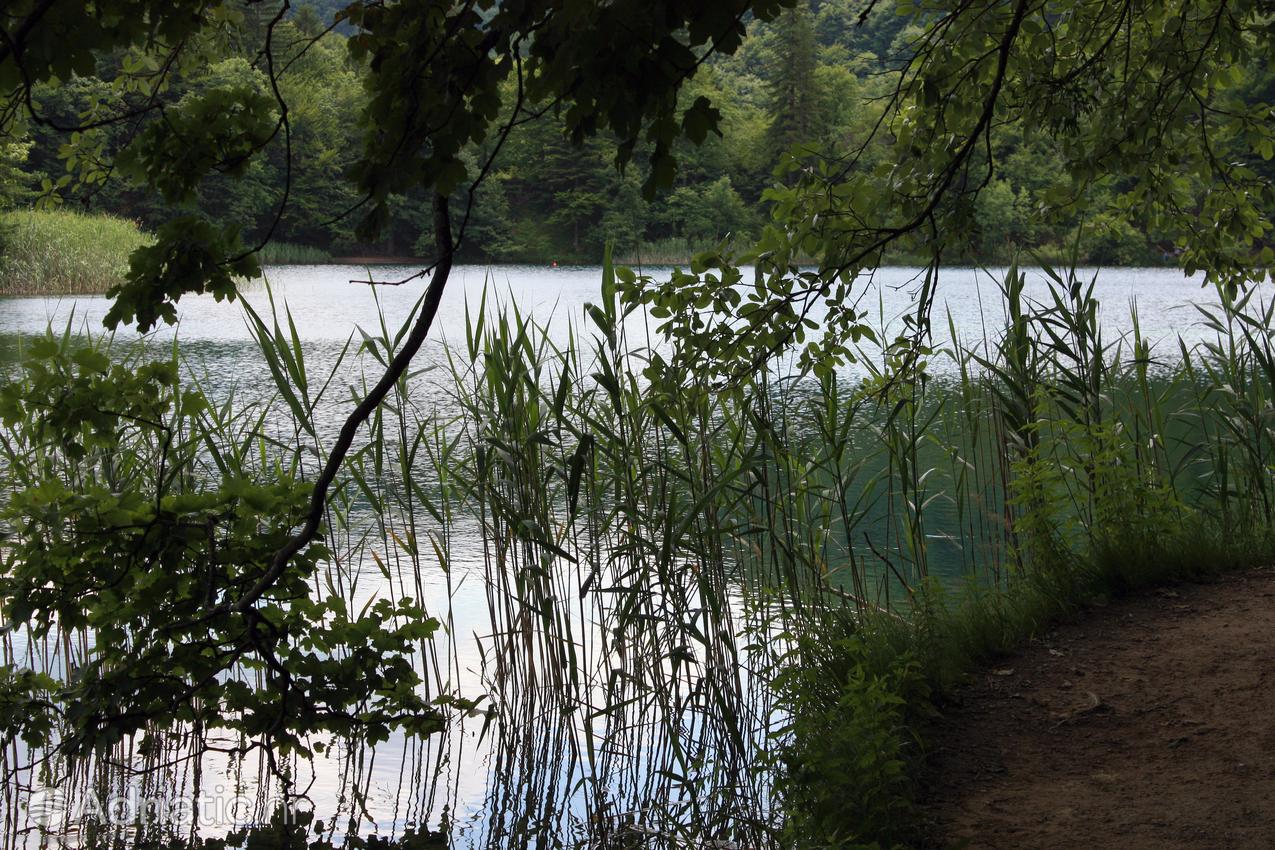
x=526, y=768
x=328, y=306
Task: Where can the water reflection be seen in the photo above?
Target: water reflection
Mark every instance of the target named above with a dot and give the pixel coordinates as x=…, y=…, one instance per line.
x=548, y=643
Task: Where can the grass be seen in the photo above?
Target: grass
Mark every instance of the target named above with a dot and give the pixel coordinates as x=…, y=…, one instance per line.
x=292, y=254
x=62, y=252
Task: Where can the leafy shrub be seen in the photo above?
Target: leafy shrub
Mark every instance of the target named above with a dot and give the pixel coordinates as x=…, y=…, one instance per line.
x=846, y=776
x=135, y=516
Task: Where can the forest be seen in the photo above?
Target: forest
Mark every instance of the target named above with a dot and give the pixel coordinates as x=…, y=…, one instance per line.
x=811, y=81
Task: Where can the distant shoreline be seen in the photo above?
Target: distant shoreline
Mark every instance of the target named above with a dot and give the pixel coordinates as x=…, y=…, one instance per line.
x=365, y=261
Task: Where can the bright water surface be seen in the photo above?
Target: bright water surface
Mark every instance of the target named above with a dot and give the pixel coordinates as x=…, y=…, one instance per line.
x=328, y=307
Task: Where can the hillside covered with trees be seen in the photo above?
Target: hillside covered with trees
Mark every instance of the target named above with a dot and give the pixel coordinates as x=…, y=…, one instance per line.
x=813, y=81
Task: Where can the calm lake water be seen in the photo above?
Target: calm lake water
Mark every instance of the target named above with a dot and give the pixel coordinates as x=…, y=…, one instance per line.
x=490, y=786
x=328, y=307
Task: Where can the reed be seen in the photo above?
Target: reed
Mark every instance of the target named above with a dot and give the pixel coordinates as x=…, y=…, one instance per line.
x=721, y=613
x=734, y=529
x=292, y=254
x=62, y=252
x=1081, y=468
x=670, y=251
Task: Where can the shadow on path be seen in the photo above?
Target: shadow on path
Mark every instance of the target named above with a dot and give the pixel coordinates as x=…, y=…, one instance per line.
x=1148, y=723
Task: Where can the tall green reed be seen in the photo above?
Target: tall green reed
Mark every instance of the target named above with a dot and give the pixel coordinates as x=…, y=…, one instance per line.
x=679, y=578
x=57, y=252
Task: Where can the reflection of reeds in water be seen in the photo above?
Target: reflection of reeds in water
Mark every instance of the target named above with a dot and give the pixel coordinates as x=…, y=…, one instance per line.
x=613, y=633
x=652, y=550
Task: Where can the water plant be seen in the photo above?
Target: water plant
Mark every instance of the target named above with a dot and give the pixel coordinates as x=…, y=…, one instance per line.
x=61, y=252
x=288, y=253
x=740, y=600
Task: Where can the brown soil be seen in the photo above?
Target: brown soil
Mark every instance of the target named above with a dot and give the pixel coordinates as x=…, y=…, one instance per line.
x=1149, y=723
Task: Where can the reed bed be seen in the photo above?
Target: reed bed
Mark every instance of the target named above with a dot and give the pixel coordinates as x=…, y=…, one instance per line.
x=292, y=254
x=713, y=616
x=63, y=252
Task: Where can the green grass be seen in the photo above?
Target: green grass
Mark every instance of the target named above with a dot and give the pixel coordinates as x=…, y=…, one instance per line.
x=292, y=254
x=60, y=252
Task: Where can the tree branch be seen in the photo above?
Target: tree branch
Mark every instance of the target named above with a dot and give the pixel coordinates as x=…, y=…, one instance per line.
x=397, y=368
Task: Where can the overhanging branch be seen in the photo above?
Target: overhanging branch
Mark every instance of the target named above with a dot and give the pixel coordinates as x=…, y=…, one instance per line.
x=396, y=369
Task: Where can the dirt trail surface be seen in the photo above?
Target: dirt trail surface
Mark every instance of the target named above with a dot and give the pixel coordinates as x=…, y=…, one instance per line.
x=1148, y=723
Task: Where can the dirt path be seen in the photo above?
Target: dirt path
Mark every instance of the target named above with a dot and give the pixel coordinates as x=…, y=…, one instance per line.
x=1149, y=723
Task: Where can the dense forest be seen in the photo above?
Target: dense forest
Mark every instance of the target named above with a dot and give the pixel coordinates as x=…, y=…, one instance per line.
x=803, y=85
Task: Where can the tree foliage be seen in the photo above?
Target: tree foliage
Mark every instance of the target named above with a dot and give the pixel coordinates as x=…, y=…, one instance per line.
x=816, y=75
x=1140, y=102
